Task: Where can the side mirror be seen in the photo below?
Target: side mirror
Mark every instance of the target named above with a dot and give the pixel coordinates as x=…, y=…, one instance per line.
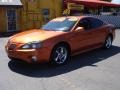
x=79, y=29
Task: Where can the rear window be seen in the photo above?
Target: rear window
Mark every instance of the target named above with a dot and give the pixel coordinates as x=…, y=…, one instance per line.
x=95, y=23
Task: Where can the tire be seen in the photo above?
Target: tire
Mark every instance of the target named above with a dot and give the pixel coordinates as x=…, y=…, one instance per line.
x=108, y=42
x=60, y=55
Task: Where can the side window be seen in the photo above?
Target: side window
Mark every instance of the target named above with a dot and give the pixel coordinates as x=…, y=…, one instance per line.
x=95, y=23
x=84, y=23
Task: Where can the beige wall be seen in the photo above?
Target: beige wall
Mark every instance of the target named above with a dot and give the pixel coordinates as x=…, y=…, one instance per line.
x=30, y=15
x=3, y=23
x=31, y=12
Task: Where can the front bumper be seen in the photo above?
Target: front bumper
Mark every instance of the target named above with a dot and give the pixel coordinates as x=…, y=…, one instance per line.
x=31, y=55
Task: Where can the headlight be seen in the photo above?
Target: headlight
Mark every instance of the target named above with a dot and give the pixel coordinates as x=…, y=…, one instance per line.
x=32, y=45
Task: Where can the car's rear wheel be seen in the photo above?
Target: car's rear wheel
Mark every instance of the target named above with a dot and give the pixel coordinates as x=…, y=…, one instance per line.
x=60, y=54
x=108, y=42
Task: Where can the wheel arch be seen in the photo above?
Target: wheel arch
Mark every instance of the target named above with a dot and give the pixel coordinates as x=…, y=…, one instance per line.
x=63, y=43
x=54, y=47
x=111, y=35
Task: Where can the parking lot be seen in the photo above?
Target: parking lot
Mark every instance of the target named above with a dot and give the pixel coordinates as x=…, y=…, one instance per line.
x=95, y=70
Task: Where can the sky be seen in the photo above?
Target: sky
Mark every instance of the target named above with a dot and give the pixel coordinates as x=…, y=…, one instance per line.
x=116, y=1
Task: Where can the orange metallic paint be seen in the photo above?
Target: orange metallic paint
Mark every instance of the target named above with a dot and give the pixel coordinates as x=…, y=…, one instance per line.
x=79, y=41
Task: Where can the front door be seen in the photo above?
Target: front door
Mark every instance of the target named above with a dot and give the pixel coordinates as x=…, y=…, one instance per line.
x=83, y=40
x=11, y=20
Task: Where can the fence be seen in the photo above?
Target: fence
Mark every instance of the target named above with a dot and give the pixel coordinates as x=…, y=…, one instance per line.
x=115, y=20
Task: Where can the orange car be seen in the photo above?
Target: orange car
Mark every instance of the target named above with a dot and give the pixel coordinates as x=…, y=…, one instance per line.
x=60, y=38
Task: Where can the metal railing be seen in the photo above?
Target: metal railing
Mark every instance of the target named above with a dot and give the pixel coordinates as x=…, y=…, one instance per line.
x=115, y=20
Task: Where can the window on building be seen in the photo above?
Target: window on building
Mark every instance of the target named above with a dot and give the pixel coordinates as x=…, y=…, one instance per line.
x=45, y=12
x=46, y=15
x=11, y=19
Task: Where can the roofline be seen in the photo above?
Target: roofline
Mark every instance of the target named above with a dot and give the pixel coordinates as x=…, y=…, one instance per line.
x=79, y=17
x=98, y=3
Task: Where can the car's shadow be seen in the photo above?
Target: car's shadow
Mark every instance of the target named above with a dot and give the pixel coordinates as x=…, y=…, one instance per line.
x=77, y=62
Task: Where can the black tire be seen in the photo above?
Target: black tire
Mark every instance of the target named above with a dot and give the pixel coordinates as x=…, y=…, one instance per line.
x=108, y=42
x=60, y=55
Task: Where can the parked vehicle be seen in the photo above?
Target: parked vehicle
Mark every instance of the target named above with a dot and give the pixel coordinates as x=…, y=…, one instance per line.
x=59, y=39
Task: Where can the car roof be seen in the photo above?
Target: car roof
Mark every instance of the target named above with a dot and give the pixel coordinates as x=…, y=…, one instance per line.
x=78, y=17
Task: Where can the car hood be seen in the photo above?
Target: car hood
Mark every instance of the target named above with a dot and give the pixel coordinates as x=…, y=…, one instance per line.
x=34, y=35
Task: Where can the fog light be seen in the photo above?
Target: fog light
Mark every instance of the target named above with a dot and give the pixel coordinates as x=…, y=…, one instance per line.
x=34, y=59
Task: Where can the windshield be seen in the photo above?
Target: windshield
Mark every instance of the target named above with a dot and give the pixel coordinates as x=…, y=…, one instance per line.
x=60, y=24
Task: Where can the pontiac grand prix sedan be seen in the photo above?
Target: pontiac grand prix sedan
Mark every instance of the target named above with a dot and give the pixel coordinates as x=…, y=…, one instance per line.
x=59, y=39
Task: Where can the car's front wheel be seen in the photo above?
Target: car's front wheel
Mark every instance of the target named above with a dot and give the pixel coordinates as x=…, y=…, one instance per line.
x=60, y=54
x=108, y=42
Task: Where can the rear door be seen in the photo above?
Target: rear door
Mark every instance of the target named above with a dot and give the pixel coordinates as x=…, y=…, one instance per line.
x=98, y=30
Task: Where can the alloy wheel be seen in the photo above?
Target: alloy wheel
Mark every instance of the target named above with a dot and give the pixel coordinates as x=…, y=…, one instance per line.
x=60, y=54
x=108, y=43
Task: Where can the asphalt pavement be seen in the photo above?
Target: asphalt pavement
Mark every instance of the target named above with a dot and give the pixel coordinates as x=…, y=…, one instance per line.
x=95, y=70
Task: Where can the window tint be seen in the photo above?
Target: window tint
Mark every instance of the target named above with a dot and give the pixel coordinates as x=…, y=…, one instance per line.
x=95, y=23
x=60, y=24
x=84, y=23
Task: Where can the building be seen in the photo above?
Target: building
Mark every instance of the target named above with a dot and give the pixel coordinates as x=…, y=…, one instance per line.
x=8, y=17
x=77, y=7
x=18, y=15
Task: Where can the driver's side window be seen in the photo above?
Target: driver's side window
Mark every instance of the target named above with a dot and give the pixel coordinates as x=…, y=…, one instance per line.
x=84, y=23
